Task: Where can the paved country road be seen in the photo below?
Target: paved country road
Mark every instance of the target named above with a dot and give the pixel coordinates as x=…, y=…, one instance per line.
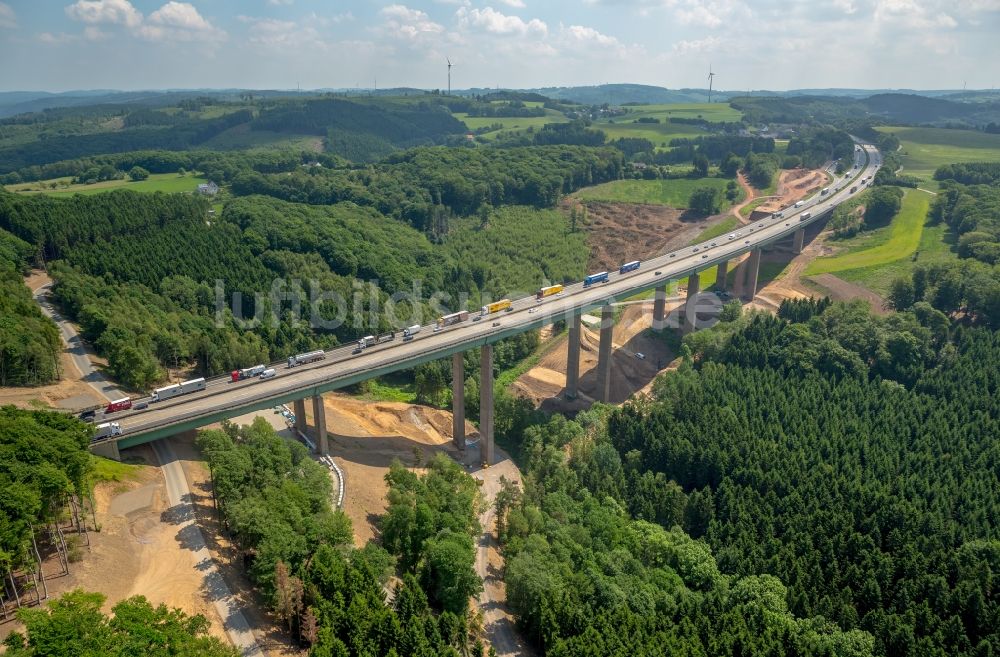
x=77, y=348
x=179, y=497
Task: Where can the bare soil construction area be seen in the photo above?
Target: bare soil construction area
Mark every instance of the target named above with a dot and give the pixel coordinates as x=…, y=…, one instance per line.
x=793, y=185
x=545, y=383
x=138, y=550
x=365, y=439
x=619, y=232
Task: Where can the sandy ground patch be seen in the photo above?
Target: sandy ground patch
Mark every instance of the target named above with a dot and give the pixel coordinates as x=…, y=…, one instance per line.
x=365, y=438
x=137, y=552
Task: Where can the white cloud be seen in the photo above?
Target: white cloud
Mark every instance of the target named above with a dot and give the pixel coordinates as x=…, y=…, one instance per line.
x=708, y=44
x=278, y=3
x=57, y=38
x=410, y=24
x=492, y=21
x=281, y=35
x=588, y=36
x=7, y=16
x=178, y=21
x=516, y=4
x=120, y=12
x=94, y=33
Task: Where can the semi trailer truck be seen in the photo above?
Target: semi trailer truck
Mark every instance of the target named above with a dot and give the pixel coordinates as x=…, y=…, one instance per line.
x=548, y=291
x=411, y=331
x=106, y=430
x=178, y=389
x=601, y=277
x=453, y=318
x=247, y=373
x=628, y=266
x=118, y=405
x=308, y=357
x=496, y=306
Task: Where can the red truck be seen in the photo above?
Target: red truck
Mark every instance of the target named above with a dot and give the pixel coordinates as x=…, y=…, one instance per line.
x=118, y=405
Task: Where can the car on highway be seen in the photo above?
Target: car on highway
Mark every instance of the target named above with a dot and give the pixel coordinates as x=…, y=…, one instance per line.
x=746, y=241
x=714, y=244
x=673, y=255
x=732, y=236
x=695, y=250
x=657, y=273
x=496, y=323
x=640, y=355
x=704, y=255
x=138, y=406
x=532, y=311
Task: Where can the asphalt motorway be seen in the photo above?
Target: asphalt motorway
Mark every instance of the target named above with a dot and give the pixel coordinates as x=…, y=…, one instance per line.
x=342, y=367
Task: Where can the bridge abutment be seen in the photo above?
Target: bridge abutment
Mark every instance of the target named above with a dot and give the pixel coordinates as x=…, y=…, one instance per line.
x=573, y=358
x=108, y=449
x=604, y=353
x=458, y=400
x=486, y=404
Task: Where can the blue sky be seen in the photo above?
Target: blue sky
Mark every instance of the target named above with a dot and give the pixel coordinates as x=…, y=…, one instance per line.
x=751, y=44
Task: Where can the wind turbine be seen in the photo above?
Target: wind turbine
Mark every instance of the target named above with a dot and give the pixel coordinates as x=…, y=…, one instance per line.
x=449, y=74
x=711, y=77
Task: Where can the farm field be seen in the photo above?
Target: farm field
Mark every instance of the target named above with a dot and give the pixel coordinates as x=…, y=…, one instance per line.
x=707, y=111
x=925, y=149
x=672, y=192
x=867, y=254
x=508, y=123
x=157, y=182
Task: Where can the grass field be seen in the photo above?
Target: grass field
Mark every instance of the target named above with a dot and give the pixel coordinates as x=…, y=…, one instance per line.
x=707, y=111
x=937, y=244
x=509, y=123
x=157, y=182
x=873, y=250
x=673, y=192
x=925, y=149
x=727, y=225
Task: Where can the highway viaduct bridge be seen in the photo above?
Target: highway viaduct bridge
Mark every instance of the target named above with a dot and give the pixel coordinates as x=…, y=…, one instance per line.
x=224, y=399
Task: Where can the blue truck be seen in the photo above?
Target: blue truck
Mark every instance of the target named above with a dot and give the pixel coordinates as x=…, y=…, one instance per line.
x=628, y=266
x=596, y=278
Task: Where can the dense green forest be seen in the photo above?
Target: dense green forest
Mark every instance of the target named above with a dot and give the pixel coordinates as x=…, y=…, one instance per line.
x=153, y=304
x=74, y=625
x=275, y=501
x=43, y=461
x=29, y=341
x=585, y=578
x=971, y=208
x=849, y=456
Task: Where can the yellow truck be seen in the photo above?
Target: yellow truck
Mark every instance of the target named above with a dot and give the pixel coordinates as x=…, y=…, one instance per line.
x=495, y=307
x=548, y=291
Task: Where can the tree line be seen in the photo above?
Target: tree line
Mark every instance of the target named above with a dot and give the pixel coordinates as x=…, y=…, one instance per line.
x=331, y=596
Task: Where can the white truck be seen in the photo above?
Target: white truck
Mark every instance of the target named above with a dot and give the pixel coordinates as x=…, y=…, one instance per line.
x=269, y=373
x=798, y=204
x=804, y=216
x=366, y=341
x=309, y=357
x=178, y=389
x=411, y=331
x=106, y=430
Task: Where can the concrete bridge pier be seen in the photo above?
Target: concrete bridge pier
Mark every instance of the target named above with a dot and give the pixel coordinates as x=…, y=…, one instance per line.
x=753, y=269
x=319, y=416
x=660, y=308
x=299, y=410
x=573, y=358
x=458, y=400
x=720, y=275
x=486, y=404
x=690, y=315
x=604, y=353
x=798, y=239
